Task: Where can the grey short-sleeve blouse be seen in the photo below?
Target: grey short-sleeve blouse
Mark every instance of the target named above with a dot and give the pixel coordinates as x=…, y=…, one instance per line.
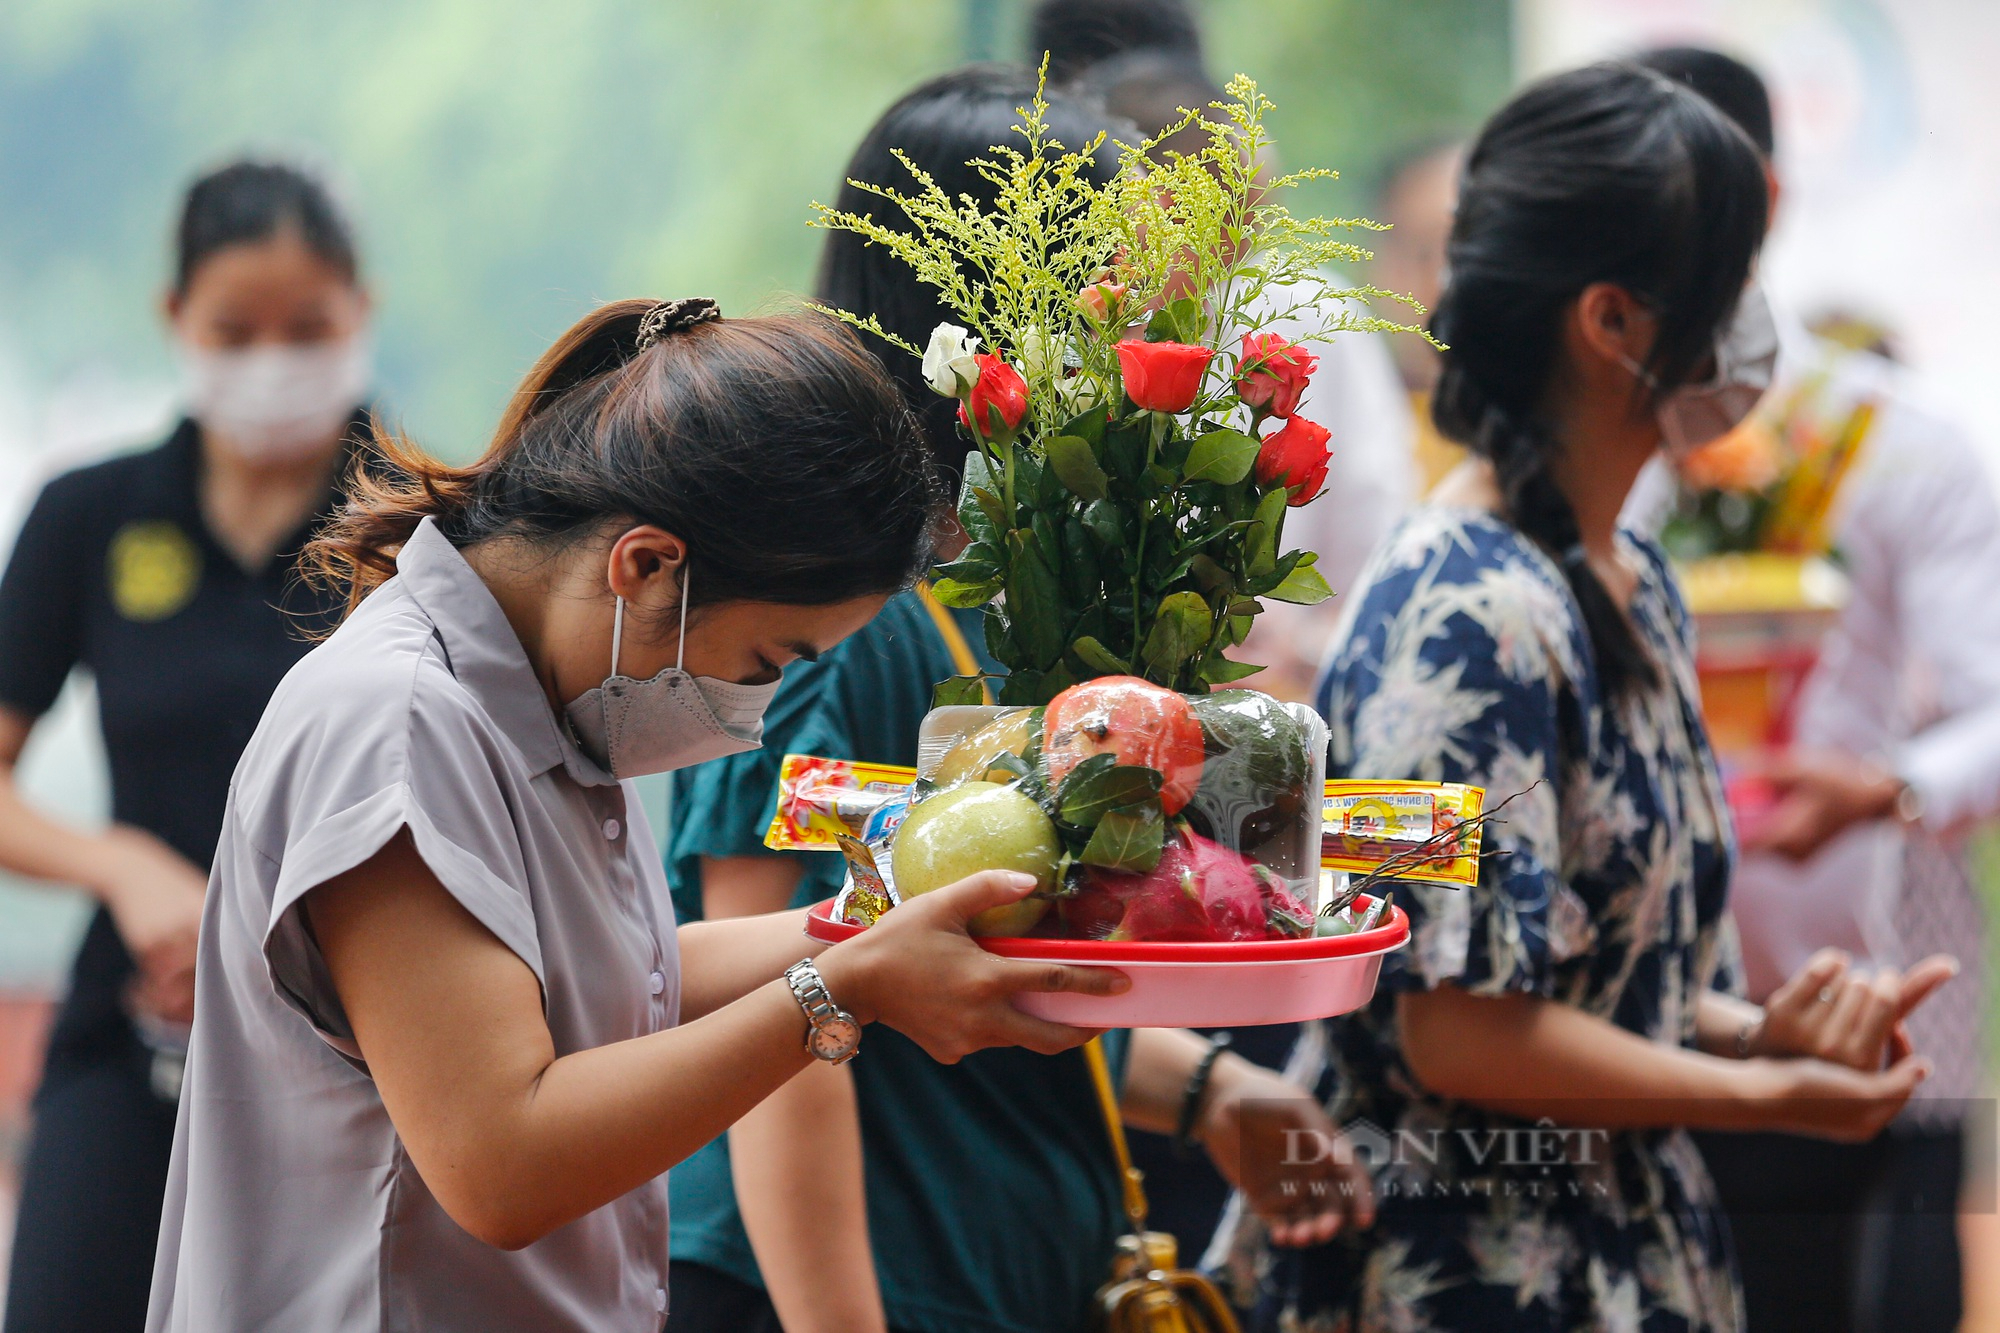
x=291, y=1203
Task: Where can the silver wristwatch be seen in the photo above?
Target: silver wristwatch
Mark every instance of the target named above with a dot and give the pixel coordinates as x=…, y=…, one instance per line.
x=833, y=1036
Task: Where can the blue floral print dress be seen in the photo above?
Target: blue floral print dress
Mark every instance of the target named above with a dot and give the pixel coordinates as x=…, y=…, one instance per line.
x=1465, y=658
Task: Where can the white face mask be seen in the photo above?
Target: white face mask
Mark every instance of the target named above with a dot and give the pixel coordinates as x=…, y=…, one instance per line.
x=1746, y=356
x=276, y=404
x=635, y=727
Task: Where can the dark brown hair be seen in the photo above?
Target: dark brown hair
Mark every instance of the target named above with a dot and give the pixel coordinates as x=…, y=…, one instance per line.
x=1610, y=173
x=776, y=447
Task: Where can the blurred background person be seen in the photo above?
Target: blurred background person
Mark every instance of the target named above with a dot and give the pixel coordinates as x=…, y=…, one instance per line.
x=979, y=1197
x=1511, y=636
x=169, y=574
x=1073, y=35
x=1859, y=841
x=1418, y=192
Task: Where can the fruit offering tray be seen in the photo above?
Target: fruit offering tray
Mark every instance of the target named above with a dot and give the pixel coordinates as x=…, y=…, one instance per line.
x=1194, y=984
x=1189, y=838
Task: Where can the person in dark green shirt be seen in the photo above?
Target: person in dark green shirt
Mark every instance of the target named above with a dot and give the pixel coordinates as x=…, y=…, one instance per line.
x=896, y=1192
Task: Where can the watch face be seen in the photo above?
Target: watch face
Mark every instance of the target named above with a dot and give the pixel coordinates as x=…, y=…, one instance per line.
x=835, y=1040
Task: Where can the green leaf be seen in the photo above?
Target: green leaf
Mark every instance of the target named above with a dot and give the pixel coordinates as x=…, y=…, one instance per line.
x=1304, y=586
x=1260, y=553
x=1022, y=687
x=1208, y=573
x=1093, y=789
x=1130, y=840
x=1076, y=466
x=959, y=690
x=978, y=563
x=1099, y=658
x=1090, y=425
x=979, y=507
x=1034, y=602
x=1221, y=456
x=1180, y=630
x=1175, y=322
x=1082, y=580
x=1221, y=670
x=965, y=596
x=1106, y=523
x=1000, y=645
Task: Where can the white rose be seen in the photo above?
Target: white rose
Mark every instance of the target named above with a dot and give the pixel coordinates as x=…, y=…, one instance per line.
x=1041, y=355
x=1079, y=393
x=948, y=364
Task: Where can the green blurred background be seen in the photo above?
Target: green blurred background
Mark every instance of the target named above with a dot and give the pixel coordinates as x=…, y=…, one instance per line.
x=514, y=162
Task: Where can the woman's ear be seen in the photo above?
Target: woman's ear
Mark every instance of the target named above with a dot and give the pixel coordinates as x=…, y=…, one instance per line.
x=645, y=566
x=1612, y=325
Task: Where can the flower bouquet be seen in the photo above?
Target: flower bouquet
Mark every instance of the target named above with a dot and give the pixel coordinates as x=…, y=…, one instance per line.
x=1751, y=533
x=1133, y=407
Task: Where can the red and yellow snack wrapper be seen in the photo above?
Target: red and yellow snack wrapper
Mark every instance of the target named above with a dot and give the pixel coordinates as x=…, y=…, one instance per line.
x=820, y=799
x=1405, y=830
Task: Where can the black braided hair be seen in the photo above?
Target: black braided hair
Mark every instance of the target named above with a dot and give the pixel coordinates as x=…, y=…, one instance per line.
x=1610, y=173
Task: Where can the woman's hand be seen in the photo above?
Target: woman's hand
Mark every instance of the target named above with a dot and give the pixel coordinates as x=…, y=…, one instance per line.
x=918, y=970
x=1827, y=1013
x=154, y=895
x=1833, y=1101
x=1271, y=1139
x=1820, y=795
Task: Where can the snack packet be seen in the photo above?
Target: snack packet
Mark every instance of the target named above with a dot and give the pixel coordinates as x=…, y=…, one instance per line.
x=1425, y=831
x=820, y=799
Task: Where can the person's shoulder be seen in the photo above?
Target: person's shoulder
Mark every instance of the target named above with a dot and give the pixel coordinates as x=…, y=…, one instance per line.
x=371, y=679
x=1462, y=583
x=103, y=487
x=1446, y=545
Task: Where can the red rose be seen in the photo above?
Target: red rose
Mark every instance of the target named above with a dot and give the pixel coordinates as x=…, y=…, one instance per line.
x=1271, y=373
x=1162, y=377
x=998, y=402
x=1295, y=457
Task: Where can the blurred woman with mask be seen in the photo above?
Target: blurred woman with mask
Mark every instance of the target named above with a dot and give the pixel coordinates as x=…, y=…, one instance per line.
x=170, y=575
x=1530, y=1059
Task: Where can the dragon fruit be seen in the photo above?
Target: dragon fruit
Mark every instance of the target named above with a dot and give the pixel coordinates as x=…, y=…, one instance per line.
x=1200, y=892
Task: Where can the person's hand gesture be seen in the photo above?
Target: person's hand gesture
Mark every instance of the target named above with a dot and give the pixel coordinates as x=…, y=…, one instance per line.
x=1271, y=1139
x=155, y=896
x=918, y=970
x=1827, y=1013
x=1819, y=794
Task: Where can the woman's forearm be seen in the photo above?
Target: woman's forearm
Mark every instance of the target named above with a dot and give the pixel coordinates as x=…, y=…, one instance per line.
x=1535, y=1058
x=796, y=1162
x=1723, y=1022
x=1158, y=1065
x=796, y=1156
x=722, y=961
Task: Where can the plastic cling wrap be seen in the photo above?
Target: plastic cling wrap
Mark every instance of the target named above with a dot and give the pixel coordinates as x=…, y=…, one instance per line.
x=1142, y=814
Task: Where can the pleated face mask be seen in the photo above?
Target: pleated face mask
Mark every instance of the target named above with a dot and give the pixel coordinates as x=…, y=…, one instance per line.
x=672, y=720
x=1746, y=357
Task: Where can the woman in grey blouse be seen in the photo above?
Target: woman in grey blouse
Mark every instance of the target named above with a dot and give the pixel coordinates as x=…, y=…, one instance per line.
x=439, y=1066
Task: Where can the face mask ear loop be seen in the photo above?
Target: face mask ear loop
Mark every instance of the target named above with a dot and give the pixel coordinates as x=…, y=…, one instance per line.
x=681, y=648
x=617, y=629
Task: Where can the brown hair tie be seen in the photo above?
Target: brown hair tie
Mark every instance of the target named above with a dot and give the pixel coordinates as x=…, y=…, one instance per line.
x=670, y=317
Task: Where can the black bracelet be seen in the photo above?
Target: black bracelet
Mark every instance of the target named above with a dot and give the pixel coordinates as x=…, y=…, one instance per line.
x=1197, y=1088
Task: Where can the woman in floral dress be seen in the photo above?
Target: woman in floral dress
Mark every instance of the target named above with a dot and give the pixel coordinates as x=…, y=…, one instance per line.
x=1529, y=1060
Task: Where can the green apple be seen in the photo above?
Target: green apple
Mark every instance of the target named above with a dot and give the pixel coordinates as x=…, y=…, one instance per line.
x=973, y=827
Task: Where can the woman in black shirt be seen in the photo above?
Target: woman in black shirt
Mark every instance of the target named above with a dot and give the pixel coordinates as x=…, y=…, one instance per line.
x=169, y=574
